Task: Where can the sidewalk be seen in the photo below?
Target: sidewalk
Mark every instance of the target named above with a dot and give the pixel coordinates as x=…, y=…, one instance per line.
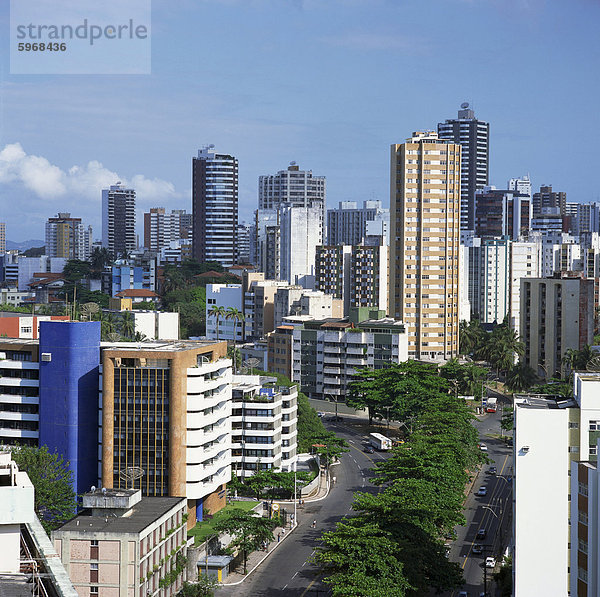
x=256, y=558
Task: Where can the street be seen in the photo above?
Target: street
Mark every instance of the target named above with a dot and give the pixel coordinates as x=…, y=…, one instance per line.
x=289, y=571
x=492, y=512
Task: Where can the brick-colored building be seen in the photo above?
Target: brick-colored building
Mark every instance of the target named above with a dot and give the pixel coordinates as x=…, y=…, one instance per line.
x=123, y=545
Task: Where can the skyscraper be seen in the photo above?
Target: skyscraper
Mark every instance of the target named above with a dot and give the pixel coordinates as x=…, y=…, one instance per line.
x=424, y=243
x=474, y=138
x=67, y=237
x=288, y=202
x=2, y=237
x=118, y=219
x=347, y=224
x=214, y=206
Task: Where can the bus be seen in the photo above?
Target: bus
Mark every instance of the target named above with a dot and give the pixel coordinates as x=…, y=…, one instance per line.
x=380, y=442
x=491, y=405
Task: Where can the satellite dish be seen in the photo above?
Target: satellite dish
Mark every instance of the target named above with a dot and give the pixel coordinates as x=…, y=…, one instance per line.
x=211, y=146
x=464, y=105
x=292, y=163
x=131, y=474
x=93, y=488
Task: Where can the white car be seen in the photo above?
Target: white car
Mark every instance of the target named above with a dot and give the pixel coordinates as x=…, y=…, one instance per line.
x=490, y=562
x=482, y=491
x=483, y=447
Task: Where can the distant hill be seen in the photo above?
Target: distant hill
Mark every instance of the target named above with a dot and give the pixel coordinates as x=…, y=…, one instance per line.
x=26, y=244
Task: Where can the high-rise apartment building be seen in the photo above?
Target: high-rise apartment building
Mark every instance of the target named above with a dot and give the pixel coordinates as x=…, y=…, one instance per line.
x=347, y=224
x=2, y=237
x=118, y=219
x=161, y=228
x=243, y=243
x=556, y=314
x=215, y=206
x=67, y=237
x=301, y=230
x=356, y=274
x=473, y=136
x=502, y=213
x=424, y=243
x=546, y=197
x=294, y=186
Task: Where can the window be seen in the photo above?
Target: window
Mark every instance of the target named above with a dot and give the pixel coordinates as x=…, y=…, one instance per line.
x=93, y=590
x=594, y=425
x=583, y=488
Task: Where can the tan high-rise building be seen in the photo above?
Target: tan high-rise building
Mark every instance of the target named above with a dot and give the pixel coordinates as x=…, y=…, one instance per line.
x=424, y=243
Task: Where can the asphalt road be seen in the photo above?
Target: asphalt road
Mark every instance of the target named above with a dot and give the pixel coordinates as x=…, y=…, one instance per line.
x=288, y=571
x=492, y=512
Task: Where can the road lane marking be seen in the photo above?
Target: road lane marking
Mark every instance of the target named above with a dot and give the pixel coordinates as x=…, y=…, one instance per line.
x=293, y=577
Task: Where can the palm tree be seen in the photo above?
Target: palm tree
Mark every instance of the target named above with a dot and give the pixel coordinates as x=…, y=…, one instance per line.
x=128, y=324
x=217, y=312
x=107, y=324
x=471, y=336
x=502, y=347
x=520, y=377
x=235, y=315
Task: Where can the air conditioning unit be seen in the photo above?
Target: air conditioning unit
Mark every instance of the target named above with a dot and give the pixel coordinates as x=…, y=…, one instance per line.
x=46, y=357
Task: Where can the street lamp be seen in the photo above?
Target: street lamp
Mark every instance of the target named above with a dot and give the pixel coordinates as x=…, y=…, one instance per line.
x=295, y=493
x=336, y=404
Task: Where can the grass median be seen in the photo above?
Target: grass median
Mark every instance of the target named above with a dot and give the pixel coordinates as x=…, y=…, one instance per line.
x=205, y=529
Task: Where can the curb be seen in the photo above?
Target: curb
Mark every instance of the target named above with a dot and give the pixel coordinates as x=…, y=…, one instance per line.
x=239, y=582
x=293, y=529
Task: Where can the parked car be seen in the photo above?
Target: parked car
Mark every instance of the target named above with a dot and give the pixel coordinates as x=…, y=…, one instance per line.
x=492, y=470
x=463, y=594
x=320, y=415
x=483, y=447
x=482, y=491
x=481, y=533
x=490, y=562
x=477, y=548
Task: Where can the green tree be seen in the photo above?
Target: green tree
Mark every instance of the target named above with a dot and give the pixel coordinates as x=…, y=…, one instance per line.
x=127, y=324
x=507, y=422
x=520, y=377
x=99, y=259
x=248, y=530
x=471, y=336
x=360, y=559
x=403, y=388
x=55, y=501
x=76, y=270
x=205, y=587
x=504, y=578
x=465, y=379
x=217, y=312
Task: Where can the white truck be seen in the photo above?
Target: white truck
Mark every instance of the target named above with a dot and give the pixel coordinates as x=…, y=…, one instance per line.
x=380, y=442
x=491, y=405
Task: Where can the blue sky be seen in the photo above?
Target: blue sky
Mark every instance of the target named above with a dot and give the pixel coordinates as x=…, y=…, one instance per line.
x=327, y=83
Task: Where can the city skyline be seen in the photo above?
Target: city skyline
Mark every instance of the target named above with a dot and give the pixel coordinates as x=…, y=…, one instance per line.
x=358, y=75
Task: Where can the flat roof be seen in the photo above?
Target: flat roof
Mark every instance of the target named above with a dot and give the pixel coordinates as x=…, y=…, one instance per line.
x=543, y=401
x=142, y=515
x=19, y=341
x=164, y=346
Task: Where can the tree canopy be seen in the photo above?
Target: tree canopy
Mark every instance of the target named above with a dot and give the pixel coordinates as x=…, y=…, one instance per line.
x=55, y=500
x=400, y=529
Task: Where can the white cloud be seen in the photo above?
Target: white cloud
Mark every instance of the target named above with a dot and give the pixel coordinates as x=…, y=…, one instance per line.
x=48, y=181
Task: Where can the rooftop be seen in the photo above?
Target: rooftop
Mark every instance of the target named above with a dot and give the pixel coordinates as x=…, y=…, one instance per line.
x=159, y=345
x=136, y=292
x=543, y=401
x=143, y=514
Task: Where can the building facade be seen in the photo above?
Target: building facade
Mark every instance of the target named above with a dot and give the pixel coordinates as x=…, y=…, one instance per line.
x=473, y=136
x=556, y=314
x=214, y=207
x=123, y=545
x=347, y=224
x=118, y=220
x=162, y=228
x=67, y=237
x=424, y=246
x=166, y=410
x=327, y=353
x=264, y=426
x=292, y=186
